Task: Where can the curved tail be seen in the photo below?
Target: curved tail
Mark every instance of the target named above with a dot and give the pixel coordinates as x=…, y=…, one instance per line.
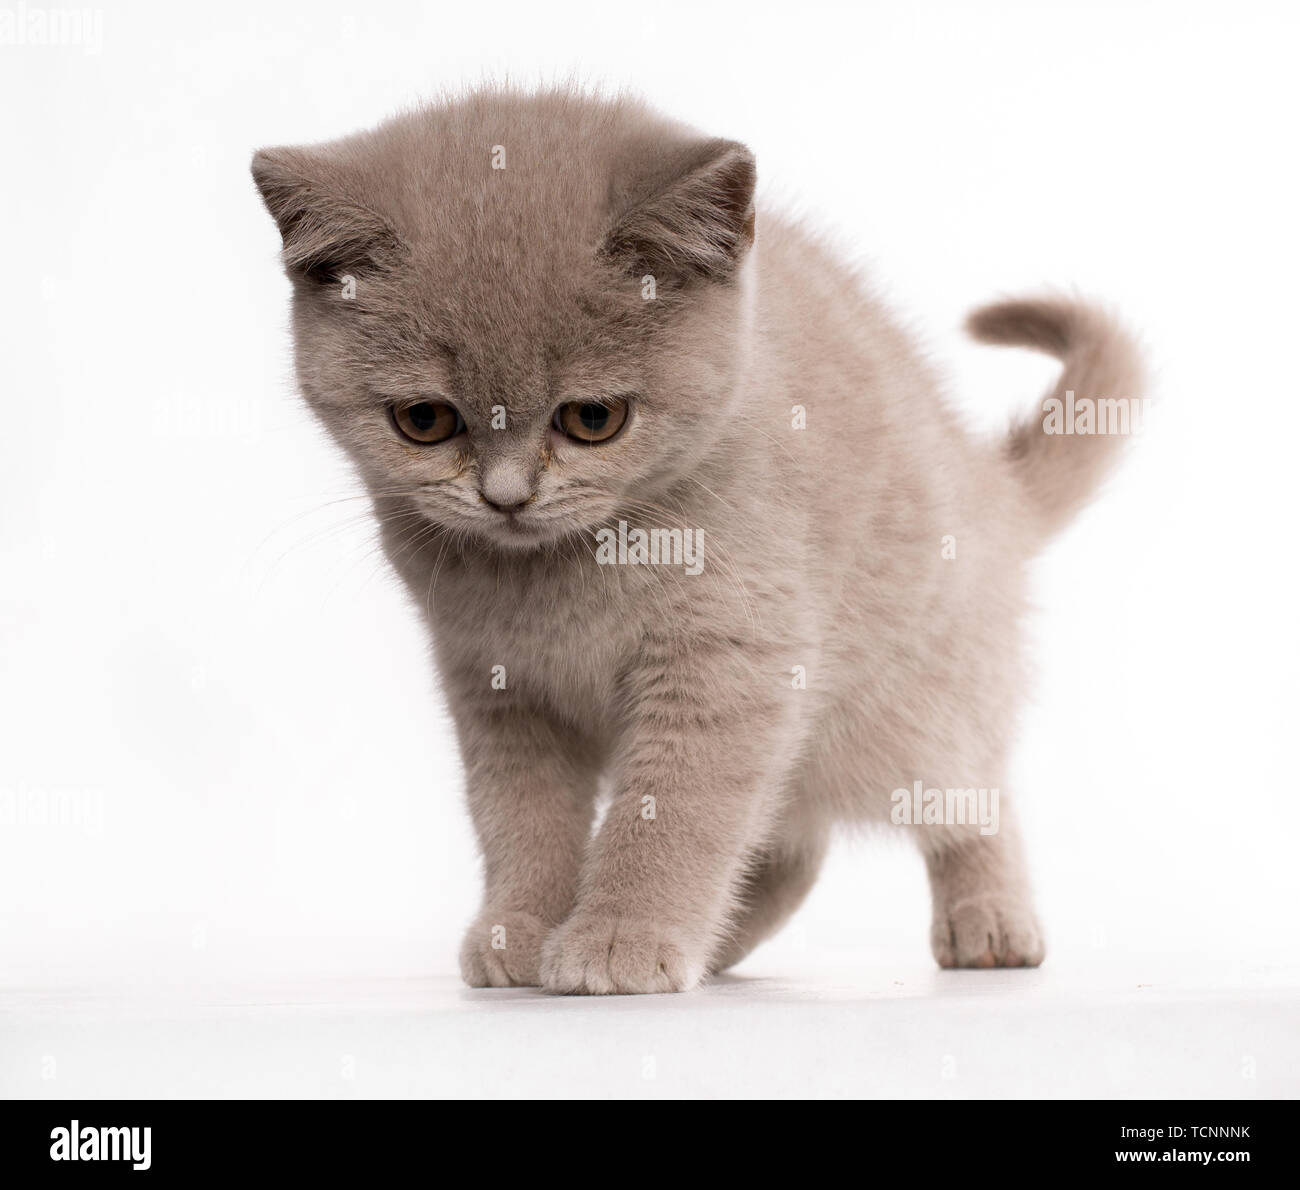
x=1062, y=451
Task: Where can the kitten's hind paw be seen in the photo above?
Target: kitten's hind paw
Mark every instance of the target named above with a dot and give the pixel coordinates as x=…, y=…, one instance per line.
x=503, y=950
x=986, y=932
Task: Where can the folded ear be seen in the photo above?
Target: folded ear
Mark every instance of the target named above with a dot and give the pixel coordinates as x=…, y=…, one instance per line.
x=325, y=233
x=692, y=216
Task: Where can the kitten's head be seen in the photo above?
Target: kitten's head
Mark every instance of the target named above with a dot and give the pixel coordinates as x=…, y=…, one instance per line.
x=522, y=314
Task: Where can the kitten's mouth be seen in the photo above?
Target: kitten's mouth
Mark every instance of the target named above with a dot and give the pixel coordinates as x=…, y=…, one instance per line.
x=513, y=529
x=514, y=524
x=516, y=530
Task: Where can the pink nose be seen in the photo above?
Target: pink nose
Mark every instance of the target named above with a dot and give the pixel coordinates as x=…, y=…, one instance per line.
x=503, y=507
x=505, y=488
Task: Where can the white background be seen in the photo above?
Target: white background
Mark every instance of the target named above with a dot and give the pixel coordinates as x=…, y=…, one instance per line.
x=203, y=655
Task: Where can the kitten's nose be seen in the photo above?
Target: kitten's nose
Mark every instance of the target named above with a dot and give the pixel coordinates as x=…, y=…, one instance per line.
x=503, y=507
x=505, y=489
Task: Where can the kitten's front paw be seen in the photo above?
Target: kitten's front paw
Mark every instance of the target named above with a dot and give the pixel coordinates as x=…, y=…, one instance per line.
x=602, y=954
x=986, y=932
x=503, y=950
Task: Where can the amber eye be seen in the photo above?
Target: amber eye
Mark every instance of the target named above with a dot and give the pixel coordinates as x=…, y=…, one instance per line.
x=428, y=421
x=591, y=421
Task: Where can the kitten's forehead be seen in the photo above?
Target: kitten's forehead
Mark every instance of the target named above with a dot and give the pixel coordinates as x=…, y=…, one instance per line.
x=503, y=203
x=504, y=340
x=500, y=245
x=501, y=183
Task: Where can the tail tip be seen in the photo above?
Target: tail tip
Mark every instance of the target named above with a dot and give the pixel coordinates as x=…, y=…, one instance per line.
x=1043, y=323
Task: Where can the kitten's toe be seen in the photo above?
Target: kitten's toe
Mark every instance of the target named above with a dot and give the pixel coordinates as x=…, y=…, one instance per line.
x=503, y=950
x=604, y=955
x=986, y=933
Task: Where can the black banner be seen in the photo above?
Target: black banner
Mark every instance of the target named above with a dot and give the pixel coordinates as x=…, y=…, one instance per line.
x=1202, y=1141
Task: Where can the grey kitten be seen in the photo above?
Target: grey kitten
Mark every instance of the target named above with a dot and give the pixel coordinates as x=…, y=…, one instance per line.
x=558, y=347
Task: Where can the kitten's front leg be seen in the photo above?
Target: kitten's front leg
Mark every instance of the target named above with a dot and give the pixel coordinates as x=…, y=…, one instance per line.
x=697, y=779
x=531, y=789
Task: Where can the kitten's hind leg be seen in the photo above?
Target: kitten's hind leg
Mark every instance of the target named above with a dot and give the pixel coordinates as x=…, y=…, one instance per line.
x=772, y=889
x=982, y=911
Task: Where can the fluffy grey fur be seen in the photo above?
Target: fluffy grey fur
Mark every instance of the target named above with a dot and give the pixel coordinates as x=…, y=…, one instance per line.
x=828, y=536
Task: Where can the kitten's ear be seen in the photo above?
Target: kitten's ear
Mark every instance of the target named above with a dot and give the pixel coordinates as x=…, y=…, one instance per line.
x=326, y=234
x=692, y=216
